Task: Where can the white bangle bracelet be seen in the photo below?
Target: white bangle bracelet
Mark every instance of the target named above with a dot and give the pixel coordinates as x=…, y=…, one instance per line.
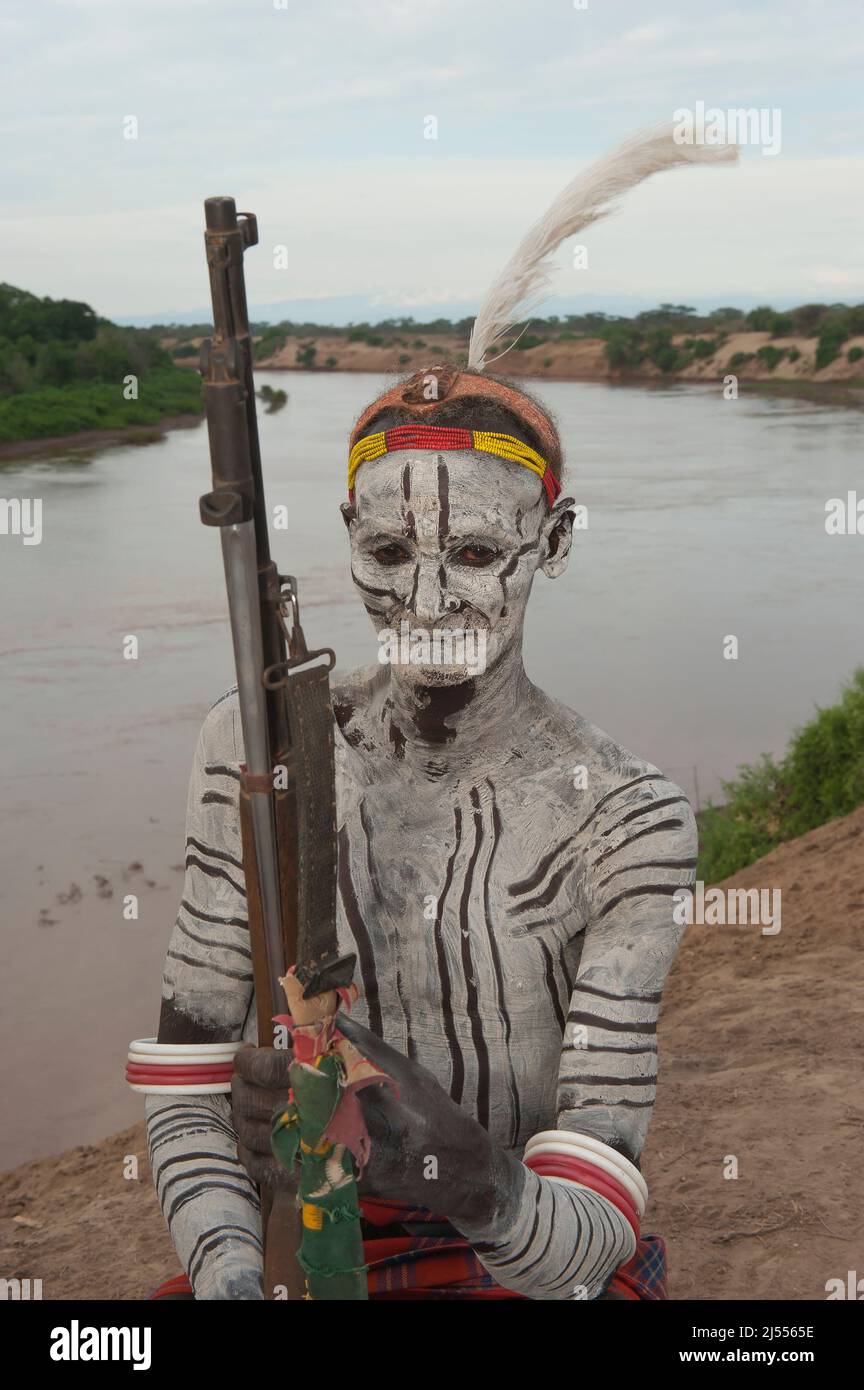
x=597, y=1161
x=596, y=1146
x=184, y=1069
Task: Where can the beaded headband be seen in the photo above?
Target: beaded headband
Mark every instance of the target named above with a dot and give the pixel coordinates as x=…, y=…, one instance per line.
x=504, y=446
x=421, y=397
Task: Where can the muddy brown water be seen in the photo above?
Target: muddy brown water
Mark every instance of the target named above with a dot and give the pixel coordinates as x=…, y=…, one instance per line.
x=706, y=518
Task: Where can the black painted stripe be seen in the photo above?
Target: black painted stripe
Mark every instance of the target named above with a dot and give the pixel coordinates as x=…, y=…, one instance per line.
x=614, y=1104
x=212, y=872
x=616, y=791
x=608, y=1024
x=244, y=975
x=213, y=853
x=201, y=1188
x=218, y=799
x=550, y=891
x=552, y=986
x=609, y=1080
x=212, y=917
x=471, y=998
x=495, y=955
x=645, y=809
x=379, y=898
x=654, y=864
x=640, y=891
x=213, y=945
x=457, y=1063
x=528, y=885
x=212, y=1239
x=365, y=953
x=672, y=824
x=222, y=770
x=585, y=988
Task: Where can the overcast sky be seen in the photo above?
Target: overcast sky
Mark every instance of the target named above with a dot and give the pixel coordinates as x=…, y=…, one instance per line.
x=313, y=116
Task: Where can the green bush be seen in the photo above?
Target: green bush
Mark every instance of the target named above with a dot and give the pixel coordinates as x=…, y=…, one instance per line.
x=738, y=359
x=834, y=333
x=662, y=351
x=820, y=777
x=770, y=356
x=703, y=347
x=793, y=354
x=273, y=341
x=855, y=354
x=761, y=320
x=624, y=345
x=97, y=405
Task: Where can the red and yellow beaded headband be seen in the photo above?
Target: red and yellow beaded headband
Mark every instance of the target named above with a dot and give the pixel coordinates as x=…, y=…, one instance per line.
x=504, y=446
x=421, y=397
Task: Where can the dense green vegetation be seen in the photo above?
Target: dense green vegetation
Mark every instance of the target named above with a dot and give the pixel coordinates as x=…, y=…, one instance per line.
x=63, y=370
x=820, y=777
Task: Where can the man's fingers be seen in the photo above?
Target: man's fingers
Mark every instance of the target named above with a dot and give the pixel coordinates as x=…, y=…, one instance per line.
x=264, y=1066
x=252, y=1104
x=397, y=1066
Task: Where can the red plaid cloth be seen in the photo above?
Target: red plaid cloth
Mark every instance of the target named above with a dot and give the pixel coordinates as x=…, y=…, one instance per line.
x=404, y=1264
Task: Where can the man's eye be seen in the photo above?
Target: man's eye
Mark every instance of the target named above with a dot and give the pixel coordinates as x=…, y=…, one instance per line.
x=391, y=554
x=476, y=555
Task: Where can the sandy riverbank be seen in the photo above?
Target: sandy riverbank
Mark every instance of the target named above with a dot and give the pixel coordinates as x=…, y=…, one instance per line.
x=761, y=1055
x=97, y=439
x=585, y=360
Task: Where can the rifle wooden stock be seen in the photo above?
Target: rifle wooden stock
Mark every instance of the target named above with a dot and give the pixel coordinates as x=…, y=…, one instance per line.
x=280, y=1216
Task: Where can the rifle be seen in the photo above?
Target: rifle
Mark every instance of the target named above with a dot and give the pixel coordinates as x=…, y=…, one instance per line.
x=287, y=785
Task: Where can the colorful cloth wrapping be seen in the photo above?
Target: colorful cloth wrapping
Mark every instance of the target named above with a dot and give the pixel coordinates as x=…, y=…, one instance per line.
x=404, y=1264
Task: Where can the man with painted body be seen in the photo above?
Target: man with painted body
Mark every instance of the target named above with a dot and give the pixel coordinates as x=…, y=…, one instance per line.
x=506, y=873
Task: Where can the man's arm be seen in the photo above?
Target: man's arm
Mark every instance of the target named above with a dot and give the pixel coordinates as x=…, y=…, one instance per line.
x=210, y=1204
x=642, y=847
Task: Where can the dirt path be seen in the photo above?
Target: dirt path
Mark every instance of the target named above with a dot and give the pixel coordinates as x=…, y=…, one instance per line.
x=761, y=1059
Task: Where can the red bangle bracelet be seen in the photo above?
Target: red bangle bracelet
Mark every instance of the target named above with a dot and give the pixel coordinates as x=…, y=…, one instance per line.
x=558, y=1166
x=174, y=1076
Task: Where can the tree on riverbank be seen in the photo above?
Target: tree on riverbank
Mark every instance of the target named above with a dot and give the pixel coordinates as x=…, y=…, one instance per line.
x=64, y=370
x=820, y=777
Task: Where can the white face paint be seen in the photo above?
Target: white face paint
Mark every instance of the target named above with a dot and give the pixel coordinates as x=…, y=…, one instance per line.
x=451, y=540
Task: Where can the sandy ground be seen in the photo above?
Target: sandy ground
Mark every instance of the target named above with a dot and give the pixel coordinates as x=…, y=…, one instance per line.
x=761, y=1053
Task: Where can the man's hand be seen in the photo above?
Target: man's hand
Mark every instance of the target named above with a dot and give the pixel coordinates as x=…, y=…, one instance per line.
x=259, y=1084
x=425, y=1149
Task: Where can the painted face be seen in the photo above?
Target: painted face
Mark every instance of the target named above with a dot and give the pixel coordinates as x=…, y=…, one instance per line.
x=444, y=548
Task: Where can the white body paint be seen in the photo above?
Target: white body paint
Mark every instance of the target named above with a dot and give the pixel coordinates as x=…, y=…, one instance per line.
x=554, y=906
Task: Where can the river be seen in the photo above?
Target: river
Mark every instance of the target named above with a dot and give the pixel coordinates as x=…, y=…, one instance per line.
x=706, y=519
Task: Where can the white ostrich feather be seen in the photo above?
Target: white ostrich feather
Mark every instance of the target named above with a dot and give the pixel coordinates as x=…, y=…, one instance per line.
x=591, y=196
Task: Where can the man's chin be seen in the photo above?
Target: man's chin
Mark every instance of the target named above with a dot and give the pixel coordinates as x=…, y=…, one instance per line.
x=423, y=676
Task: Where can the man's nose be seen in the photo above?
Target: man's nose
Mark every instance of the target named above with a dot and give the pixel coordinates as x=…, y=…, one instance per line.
x=430, y=597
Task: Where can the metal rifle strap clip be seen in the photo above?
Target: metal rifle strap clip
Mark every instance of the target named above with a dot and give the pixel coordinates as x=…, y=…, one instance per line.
x=299, y=657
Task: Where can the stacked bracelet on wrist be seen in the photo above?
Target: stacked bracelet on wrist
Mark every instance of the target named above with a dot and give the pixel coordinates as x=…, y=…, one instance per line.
x=583, y=1161
x=186, y=1069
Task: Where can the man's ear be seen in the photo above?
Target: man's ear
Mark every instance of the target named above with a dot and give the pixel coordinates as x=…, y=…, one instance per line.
x=557, y=535
x=349, y=513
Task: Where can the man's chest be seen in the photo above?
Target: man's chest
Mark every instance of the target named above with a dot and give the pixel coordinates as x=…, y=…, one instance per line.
x=457, y=897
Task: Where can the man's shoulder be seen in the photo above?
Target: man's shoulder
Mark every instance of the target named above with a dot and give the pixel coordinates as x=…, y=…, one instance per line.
x=221, y=733
x=603, y=778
